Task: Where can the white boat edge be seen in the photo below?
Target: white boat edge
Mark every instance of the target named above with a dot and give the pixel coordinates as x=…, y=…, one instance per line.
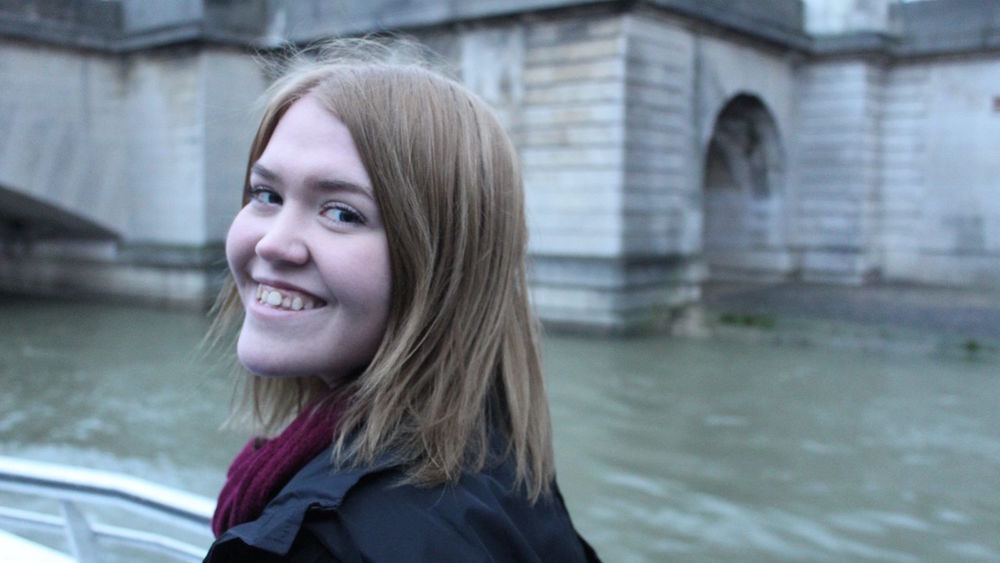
x=16, y=549
x=72, y=487
x=123, y=485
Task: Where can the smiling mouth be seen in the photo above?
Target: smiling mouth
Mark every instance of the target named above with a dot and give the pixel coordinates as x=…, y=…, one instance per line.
x=286, y=299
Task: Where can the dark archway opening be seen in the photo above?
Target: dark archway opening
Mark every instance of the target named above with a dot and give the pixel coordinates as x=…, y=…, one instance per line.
x=744, y=221
x=25, y=220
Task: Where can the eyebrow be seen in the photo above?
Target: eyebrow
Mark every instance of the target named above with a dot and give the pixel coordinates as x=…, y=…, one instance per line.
x=324, y=185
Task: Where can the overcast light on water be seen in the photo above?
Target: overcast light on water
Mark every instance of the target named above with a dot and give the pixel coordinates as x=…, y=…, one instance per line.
x=666, y=449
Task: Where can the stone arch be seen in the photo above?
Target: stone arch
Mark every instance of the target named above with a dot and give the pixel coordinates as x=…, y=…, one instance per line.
x=25, y=220
x=744, y=194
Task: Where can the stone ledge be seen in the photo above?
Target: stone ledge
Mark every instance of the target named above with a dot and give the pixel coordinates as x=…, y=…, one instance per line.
x=907, y=318
x=186, y=276
x=172, y=256
x=775, y=21
x=929, y=28
x=617, y=295
x=118, y=30
x=187, y=287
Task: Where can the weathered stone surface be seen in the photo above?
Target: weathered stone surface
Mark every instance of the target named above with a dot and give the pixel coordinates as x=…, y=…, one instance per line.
x=866, y=151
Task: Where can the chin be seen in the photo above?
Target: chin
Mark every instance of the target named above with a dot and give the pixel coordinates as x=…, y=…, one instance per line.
x=264, y=364
x=264, y=368
x=267, y=365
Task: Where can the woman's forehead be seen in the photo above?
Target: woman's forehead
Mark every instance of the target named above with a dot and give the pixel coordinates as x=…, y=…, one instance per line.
x=311, y=142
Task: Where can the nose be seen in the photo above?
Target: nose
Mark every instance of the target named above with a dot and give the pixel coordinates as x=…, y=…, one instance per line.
x=283, y=242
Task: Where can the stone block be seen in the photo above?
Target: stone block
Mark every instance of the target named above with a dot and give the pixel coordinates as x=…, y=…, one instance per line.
x=70, y=272
x=573, y=243
x=650, y=35
x=668, y=162
x=602, y=48
x=540, y=158
x=569, y=30
x=570, y=180
x=575, y=93
x=571, y=115
x=655, y=201
x=829, y=264
x=576, y=72
x=642, y=180
x=603, y=222
x=606, y=135
x=955, y=270
x=651, y=140
x=615, y=295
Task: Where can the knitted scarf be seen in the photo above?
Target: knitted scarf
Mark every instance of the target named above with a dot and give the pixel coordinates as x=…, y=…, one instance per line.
x=265, y=466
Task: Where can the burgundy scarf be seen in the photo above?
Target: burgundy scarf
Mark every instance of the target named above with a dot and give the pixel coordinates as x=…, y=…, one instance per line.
x=265, y=466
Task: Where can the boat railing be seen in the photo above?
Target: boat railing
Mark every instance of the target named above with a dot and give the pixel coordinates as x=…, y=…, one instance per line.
x=73, y=488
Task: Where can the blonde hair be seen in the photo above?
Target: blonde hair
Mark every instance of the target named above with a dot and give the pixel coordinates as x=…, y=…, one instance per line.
x=458, y=366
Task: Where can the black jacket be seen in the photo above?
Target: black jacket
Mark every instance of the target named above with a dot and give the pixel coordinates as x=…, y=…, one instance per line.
x=367, y=515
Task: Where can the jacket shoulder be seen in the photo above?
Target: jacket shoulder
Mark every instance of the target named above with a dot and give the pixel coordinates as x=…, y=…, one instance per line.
x=479, y=518
x=317, y=485
x=373, y=515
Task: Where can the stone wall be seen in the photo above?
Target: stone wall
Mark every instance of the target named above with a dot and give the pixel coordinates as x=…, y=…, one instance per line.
x=572, y=151
x=824, y=17
x=149, y=147
x=61, y=121
x=191, y=118
x=880, y=136
x=727, y=69
x=904, y=152
x=164, y=106
x=941, y=205
x=662, y=265
x=838, y=173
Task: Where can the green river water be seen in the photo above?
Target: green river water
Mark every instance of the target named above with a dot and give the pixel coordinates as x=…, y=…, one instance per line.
x=667, y=450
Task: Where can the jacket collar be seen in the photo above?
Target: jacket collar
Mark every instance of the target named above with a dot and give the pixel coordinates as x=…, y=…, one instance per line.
x=318, y=485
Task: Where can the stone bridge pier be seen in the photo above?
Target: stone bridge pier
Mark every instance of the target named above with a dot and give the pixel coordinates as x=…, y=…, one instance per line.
x=120, y=168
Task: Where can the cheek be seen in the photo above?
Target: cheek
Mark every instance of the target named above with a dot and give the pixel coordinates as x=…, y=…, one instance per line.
x=384, y=283
x=240, y=241
x=378, y=282
x=381, y=287
x=362, y=276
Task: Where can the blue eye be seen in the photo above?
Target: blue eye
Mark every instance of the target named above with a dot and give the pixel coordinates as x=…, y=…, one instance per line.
x=343, y=214
x=265, y=196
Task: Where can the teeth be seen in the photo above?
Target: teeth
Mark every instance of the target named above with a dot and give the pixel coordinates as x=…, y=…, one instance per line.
x=276, y=299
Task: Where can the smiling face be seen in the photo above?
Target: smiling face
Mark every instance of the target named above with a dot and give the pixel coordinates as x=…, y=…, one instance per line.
x=309, y=253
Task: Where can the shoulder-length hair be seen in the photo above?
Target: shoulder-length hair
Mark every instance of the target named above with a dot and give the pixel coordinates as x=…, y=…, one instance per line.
x=458, y=367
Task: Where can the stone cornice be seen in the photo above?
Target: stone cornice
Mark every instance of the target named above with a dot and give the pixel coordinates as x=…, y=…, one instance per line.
x=922, y=29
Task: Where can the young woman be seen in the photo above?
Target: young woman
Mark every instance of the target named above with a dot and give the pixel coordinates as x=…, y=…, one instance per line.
x=377, y=266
